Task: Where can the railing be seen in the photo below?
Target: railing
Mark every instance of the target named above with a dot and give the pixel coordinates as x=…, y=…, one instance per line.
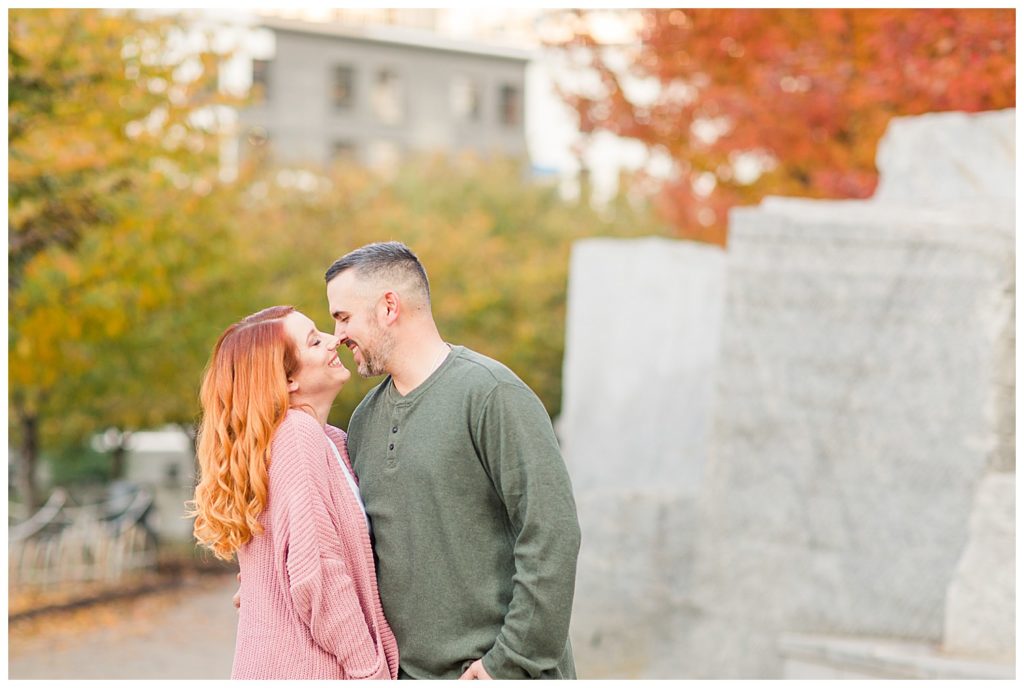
x=66, y=543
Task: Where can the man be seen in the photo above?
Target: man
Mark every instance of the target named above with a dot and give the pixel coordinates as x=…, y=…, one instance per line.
x=473, y=517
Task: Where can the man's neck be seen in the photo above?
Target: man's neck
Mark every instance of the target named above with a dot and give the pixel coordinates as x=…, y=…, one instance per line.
x=411, y=366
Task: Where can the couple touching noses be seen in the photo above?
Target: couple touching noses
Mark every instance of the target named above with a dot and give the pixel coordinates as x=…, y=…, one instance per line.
x=437, y=538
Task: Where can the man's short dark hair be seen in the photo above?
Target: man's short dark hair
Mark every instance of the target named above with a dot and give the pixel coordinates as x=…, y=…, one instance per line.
x=390, y=260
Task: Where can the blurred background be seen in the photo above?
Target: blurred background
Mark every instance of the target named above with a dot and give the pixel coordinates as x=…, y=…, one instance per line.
x=757, y=264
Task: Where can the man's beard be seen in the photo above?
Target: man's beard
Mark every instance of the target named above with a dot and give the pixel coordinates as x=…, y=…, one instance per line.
x=376, y=357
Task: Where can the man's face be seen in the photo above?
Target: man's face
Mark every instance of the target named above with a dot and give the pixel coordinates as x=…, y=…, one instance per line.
x=353, y=306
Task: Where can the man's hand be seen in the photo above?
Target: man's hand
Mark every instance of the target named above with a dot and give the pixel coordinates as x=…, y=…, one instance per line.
x=476, y=672
x=237, y=599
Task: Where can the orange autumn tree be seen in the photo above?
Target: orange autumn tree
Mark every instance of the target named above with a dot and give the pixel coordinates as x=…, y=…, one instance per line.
x=751, y=102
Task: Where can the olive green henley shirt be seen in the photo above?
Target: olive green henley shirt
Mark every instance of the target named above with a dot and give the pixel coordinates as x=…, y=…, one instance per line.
x=474, y=521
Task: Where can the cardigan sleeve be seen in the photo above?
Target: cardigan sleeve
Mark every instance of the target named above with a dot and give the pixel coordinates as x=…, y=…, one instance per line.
x=319, y=584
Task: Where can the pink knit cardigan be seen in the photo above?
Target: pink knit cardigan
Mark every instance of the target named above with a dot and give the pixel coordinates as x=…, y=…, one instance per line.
x=310, y=607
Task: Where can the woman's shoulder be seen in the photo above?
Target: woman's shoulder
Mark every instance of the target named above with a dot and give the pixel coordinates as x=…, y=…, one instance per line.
x=298, y=418
x=297, y=421
x=298, y=431
x=337, y=434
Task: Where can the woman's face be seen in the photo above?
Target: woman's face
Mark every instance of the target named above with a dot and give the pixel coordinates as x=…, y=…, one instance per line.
x=320, y=370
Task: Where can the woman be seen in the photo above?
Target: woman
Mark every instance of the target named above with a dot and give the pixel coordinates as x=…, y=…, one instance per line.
x=277, y=489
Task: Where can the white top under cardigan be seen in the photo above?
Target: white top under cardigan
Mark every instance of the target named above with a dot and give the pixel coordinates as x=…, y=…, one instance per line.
x=348, y=478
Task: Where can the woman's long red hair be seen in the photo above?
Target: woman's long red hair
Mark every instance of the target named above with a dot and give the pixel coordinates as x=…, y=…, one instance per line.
x=244, y=398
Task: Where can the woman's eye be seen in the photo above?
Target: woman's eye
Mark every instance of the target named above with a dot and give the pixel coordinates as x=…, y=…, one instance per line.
x=316, y=342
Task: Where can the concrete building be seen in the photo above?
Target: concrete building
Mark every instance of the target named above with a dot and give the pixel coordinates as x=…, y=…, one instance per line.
x=375, y=94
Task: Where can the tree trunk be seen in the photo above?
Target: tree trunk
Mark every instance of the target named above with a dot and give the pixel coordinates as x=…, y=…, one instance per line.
x=586, y=184
x=25, y=468
x=118, y=456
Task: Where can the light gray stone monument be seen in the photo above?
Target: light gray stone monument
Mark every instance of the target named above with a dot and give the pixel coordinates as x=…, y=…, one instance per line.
x=641, y=341
x=815, y=504
x=980, y=619
x=943, y=158
x=856, y=413
x=864, y=389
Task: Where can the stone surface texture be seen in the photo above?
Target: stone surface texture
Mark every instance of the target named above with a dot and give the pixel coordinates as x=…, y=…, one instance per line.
x=980, y=619
x=948, y=156
x=817, y=470
x=641, y=342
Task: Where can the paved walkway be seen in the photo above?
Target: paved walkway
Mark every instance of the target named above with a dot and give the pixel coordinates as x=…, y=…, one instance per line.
x=187, y=633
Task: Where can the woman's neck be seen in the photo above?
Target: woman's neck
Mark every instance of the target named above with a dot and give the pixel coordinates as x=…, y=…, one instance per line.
x=318, y=408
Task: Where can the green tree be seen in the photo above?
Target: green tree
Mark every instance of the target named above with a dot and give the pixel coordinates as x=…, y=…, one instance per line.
x=128, y=257
x=107, y=137
x=495, y=246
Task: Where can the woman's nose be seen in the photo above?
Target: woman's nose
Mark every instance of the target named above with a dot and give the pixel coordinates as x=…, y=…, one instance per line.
x=334, y=344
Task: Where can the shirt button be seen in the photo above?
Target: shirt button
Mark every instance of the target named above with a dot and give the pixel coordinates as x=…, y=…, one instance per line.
x=394, y=429
x=391, y=447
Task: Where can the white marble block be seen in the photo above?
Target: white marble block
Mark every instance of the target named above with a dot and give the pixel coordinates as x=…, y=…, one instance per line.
x=641, y=342
x=980, y=619
x=856, y=411
x=946, y=157
x=788, y=439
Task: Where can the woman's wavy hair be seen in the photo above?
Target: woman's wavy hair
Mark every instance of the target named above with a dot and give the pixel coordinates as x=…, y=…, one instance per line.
x=244, y=399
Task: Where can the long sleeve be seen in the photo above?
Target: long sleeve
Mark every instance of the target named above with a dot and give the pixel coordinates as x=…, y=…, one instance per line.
x=318, y=581
x=521, y=452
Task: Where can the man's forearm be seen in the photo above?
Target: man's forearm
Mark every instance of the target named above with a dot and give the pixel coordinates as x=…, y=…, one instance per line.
x=536, y=629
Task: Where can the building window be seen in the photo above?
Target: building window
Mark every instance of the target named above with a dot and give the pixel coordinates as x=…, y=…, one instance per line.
x=261, y=78
x=465, y=99
x=510, y=108
x=387, y=97
x=343, y=87
x=343, y=151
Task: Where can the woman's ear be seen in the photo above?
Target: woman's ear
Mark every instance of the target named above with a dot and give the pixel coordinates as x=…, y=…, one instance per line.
x=293, y=386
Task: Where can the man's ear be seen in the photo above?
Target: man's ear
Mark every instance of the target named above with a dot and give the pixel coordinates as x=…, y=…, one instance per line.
x=390, y=306
x=293, y=386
